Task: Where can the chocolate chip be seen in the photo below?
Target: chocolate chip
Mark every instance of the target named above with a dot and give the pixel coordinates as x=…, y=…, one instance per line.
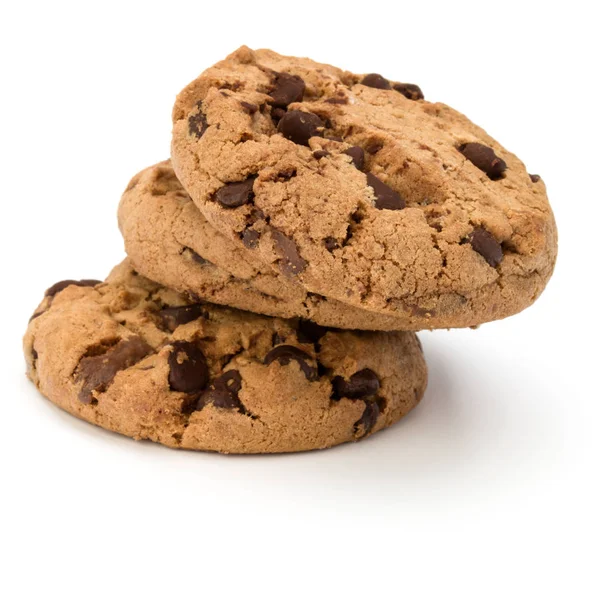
x=250, y=238
x=173, y=316
x=309, y=332
x=318, y=154
x=299, y=126
x=234, y=86
x=485, y=244
x=409, y=90
x=322, y=370
x=248, y=107
x=337, y=100
x=368, y=420
x=284, y=354
x=357, y=154
x=375, y=80
x=534, y=178
x=385, y=196
x=331, y=243
x=288, y=89
x=61, y=285
x=102, y=362
x=277, y=114
x=374, y=146
x=197, y=123
x=197, y=258
x=223, y=392
x=360, y=385
x=291, y=262
x=326, y=122
x=255, y=215
x=484, y=158
x=285, y=174
x=189, y=404
x=334, y=138
x=232, y=195
x=188, y=371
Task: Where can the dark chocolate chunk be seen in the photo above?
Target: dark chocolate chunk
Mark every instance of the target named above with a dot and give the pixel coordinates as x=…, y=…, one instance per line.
x=197, y=123
x=322, y=370
x=276, y=114
x=288, y=88
x=291, y=262
x=337, y=100
x=360, y=385
x=61, y=285
x=318, y=154
x=248, y=107
x=250, y=238
x=188, y=371
x=223, y=392
x=484, y=158
x=284, y=354
x=285, y=174
x=102, y=362
x=309, y=332
x=197, y=258
x=385, y=196
x=173, y=316
x=255, y=215
x=368, y=420
x=374, y=146
x=300, y=126
x=235, y=194
x=534, y=178
x=234, y=86
x=375, y=80
x=409, y=90
x=357, y=154
x=331, y=243
x=189, y=404
x=485, y=244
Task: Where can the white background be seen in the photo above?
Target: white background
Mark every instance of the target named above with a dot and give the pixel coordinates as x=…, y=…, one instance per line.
x=487, y=490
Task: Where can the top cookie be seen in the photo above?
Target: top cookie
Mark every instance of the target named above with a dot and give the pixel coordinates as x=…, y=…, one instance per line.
x=362, y=191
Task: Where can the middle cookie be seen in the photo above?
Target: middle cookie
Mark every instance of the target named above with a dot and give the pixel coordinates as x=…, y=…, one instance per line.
x=168, y=240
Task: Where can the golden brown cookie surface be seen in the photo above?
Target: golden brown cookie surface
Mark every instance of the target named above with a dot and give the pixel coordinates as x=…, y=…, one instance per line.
x=358, y=189
x=168, y=240
x=134, y=357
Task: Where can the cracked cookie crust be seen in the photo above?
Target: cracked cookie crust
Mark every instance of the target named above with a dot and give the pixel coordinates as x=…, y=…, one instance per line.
x=358, y=189
x=168, y=240
x=140, y=359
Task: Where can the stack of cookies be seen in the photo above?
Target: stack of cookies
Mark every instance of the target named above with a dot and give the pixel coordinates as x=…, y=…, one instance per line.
x=310, y=220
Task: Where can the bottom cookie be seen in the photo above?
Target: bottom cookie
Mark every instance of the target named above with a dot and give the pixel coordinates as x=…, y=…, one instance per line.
x=140, y=359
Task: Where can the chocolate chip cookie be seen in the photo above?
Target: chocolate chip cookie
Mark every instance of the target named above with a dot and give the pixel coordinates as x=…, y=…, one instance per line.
x=169, y=240
x=358, y=189
x=135, y=357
